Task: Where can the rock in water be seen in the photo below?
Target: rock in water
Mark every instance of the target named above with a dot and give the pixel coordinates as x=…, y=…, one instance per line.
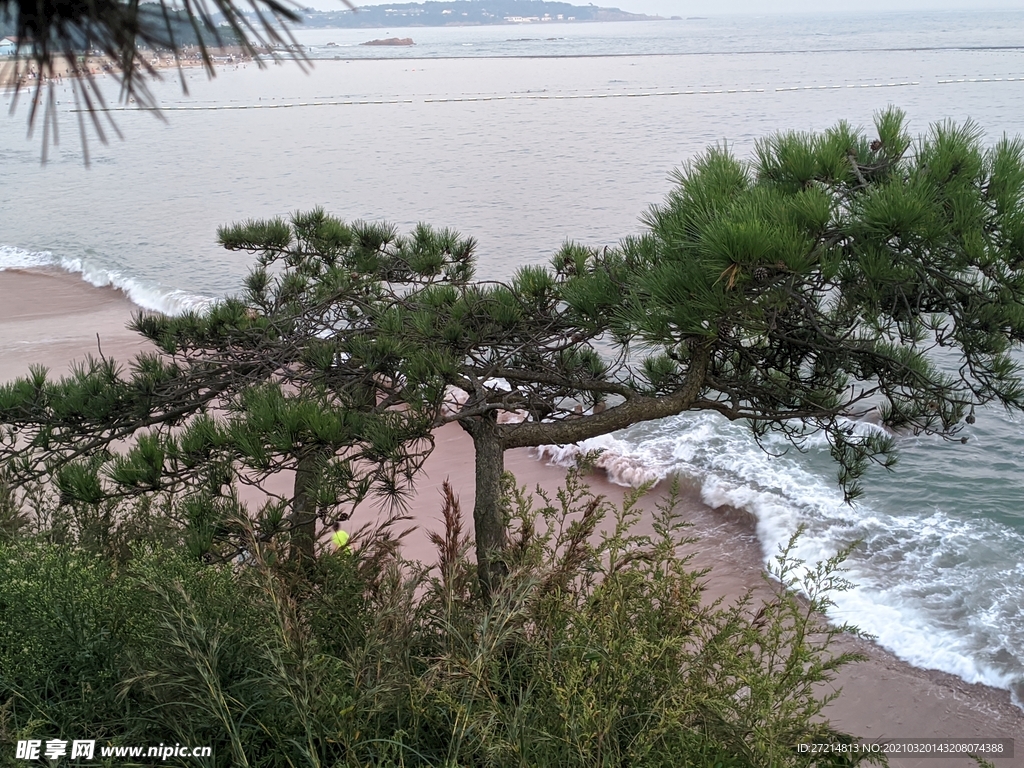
x=391, y=41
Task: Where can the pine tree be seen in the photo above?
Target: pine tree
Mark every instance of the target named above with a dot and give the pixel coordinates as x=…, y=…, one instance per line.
x=291, y=376
x=832, y=277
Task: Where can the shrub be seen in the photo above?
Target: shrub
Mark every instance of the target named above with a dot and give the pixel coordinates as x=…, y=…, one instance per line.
x=598, y=649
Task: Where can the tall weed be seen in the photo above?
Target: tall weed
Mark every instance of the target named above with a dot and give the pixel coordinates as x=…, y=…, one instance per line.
x=599, y=648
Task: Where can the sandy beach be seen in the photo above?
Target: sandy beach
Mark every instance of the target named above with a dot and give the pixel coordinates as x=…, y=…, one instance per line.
x=54, y=318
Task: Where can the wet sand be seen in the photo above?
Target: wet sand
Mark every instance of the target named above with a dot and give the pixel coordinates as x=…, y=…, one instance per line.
x=54, y=318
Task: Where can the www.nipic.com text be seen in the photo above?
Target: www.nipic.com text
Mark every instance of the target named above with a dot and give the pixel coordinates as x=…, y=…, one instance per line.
x=54, y=749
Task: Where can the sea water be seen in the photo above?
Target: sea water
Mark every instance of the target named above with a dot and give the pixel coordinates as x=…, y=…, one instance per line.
x=526, y=136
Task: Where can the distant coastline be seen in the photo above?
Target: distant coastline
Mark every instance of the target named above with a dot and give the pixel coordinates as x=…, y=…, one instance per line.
x=466, y=13
x=23, y=73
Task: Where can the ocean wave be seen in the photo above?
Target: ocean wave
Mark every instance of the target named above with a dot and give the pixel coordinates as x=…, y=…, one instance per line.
x=938, y=588
x=612, y=457
x=152, y=296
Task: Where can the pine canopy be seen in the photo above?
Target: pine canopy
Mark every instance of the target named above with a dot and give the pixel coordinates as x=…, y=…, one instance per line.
x=833, y=277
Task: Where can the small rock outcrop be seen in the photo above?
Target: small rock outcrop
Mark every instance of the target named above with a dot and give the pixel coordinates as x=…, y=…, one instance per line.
x=391, y=41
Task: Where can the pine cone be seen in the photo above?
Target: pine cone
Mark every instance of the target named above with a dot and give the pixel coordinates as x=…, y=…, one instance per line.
x=761, y=274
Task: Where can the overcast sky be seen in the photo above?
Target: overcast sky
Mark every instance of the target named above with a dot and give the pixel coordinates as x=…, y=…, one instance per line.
x=691, y=7
x=711, y=7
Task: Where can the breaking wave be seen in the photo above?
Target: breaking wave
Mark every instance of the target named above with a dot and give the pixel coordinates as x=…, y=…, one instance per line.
x=148, y=295
x=940, y=588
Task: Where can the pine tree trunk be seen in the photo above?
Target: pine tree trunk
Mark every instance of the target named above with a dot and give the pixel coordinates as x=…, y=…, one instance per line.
x=303, y=533
x=489, y=514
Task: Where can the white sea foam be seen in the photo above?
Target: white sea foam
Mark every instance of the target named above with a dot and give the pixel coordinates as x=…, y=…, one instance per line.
x=940, y=591
x=147, y=295
x=614, y=458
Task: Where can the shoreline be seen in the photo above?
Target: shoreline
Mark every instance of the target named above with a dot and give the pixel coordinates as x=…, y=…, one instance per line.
x=52, y=317
x=22, y=73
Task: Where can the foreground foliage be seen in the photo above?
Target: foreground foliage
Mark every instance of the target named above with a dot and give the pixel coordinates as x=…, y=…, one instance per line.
x=54, y=39
x=596, y=650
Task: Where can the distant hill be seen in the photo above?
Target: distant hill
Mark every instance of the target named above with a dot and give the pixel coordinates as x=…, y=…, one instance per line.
x=428, y=14
x=463, y=13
